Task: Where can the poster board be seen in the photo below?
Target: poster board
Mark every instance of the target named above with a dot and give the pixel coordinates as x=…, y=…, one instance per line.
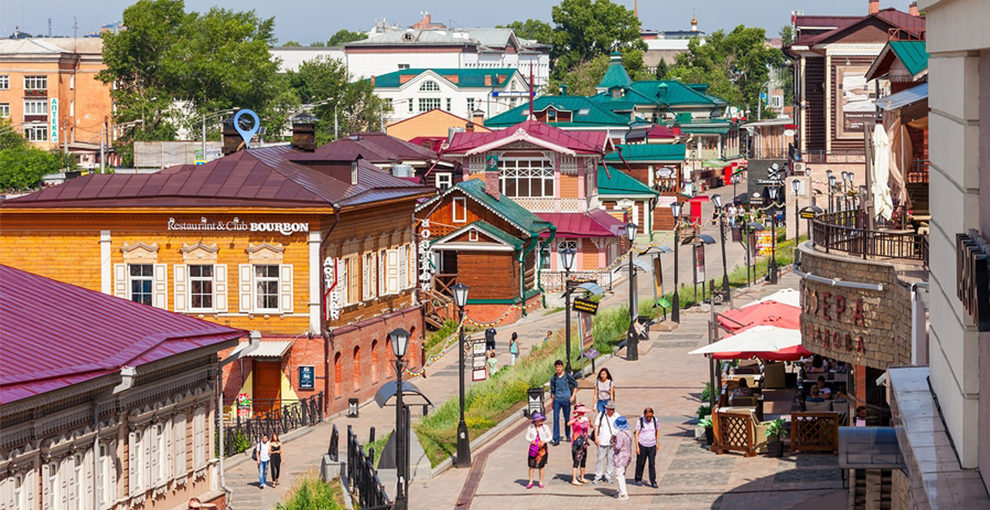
x=699, y=263
x=763, y=242
x=657, y=276
x=479, y=372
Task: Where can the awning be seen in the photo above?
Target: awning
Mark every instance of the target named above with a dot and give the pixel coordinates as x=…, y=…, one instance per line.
x=387, y=391
x=903, y=98
x=766, y=313
x=764, y=342
x=784, y=296
x=597, y=223
x=714, y=163
x=270, y=349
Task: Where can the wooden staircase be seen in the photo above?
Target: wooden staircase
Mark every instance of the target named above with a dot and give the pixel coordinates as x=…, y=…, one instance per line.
x=438, y=308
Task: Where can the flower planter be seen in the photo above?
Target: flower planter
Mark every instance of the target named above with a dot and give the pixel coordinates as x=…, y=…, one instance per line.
x=709, y=436
x=775, y=449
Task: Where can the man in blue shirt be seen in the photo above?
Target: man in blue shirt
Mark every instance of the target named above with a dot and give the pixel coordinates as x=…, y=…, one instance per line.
x=563, y=389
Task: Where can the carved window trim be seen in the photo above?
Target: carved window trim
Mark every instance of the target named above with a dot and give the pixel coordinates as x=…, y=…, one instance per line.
x=199, y=253
x=140, y=253
x=265, y=253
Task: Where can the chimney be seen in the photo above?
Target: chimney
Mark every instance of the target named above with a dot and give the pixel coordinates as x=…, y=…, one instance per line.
x=304, y=132
x=563, y=89
x=874, y=6
x=469, y=127
x=372, y=81
x=231, y=138
x=478, y=117
x=913, y=9
x=491, y=177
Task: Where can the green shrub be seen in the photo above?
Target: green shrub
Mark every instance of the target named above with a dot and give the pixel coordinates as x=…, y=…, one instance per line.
x=434, y=342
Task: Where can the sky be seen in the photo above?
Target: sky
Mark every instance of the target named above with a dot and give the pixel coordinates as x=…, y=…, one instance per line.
x=316, y=20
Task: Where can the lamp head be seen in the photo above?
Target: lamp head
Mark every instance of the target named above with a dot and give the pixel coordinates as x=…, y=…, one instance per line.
x=567, y=257
x=772, y=190
x=717, y=200
x=631, y=229
x=675, y=209
x=460, y=294
x=400, y=341
x=831, y=181
x=796, y=186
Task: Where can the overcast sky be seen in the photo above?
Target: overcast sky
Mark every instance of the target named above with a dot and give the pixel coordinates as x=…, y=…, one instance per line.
x=309, y=20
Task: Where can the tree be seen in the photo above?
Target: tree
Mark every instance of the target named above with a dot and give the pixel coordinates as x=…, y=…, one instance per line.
x=291, y=44
x=344, y=36
x=317, y=44
x=357, y=107
x=22, y=167
x=582, y=79
x=532, y=29
x=787, y=74
x=786, y=35
x=585, y=29
x=660, y=73
x=734, y=65
x=10, y=137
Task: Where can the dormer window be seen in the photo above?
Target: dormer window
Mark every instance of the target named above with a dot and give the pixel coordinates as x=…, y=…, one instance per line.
x=429, y=86
x=354, y=172
x=551, y=115
x=616, y=93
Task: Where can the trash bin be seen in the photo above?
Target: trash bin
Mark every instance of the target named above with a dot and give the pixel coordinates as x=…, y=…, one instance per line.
x=534, y=402
x=352, y=408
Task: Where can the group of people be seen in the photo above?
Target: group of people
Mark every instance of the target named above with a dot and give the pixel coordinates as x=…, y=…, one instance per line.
x=268, y=453
x=819, y=391
x=491, y=362
x=614, y=439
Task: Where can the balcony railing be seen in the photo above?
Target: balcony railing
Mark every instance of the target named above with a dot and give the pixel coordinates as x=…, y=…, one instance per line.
x=834, y=156
x=918, y=173
x=553, y=205
x=846, y=231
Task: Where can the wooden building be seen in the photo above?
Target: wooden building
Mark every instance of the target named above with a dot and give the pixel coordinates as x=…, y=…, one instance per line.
x=316, y=254
x=662, y=168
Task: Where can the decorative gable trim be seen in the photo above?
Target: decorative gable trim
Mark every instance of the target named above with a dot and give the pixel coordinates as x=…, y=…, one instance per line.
x=199, y=251
x=140, y=252
x=521, y=135
x=265, y=253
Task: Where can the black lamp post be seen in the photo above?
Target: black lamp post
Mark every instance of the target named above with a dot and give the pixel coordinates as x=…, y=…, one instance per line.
x=772, y=267
x=717, y=200
x=632, y=339
x=796, y=186
x=567, y=260
x=675, y=313
x=852, y=190
x=845, y=188
x=400, y=341
x=463, y=440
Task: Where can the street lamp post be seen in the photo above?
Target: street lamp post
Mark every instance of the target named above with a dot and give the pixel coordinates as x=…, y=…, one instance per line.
x=567, y=259
x=400, y=341
x=702, y=240
x=675, y=313
x=796, y=186
x=773, y=235
x=717, y=199
x=463, y=442
x=632, y=339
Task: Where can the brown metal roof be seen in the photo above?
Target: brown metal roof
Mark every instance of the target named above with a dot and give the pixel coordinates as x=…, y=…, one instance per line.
x=893, y=17
x=263, y=177
x=374, y=147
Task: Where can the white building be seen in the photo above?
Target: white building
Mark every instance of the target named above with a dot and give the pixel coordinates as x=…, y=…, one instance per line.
x=458, y=91
x=292, y=56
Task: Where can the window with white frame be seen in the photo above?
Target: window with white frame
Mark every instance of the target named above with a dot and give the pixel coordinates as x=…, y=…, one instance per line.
x=561, y=246
x=527, y=178
x=429, y=86
x=382, y=270
x=159, y=467
x=4, y=82
x=266, y=287
x=410, y=103
x=141, y=282
x=137, y=461
x=428, y=103
x=106, y=473
x=388, y=103
x=179, y=444
x=470, y=105
x=460, y=209
x=35, y=83
x=5, y=110
x=448, y=104
x=52, y=487
x=35, y=107
x=368, y=272
x=545, y=257
x=403, y=66
x=201, y=287
x=36, y=133
x=444, y=180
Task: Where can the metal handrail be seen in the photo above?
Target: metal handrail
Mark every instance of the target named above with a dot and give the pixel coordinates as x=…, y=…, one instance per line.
x=845, y=231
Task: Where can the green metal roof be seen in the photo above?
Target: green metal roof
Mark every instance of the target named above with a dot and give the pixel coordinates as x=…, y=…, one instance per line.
x=677, y=93
x=504, y=207
x=490, y=230
x=466, y=78
x=914, y=54
x=620, y=183
x=584, y=112
x=647, y=152
x=615, y=75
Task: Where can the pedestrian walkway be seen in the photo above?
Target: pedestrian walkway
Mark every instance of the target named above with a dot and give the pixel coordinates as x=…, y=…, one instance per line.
x=690, y=477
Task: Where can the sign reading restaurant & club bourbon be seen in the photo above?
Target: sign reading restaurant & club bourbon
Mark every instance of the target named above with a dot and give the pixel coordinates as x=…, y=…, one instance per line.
x=236, y=225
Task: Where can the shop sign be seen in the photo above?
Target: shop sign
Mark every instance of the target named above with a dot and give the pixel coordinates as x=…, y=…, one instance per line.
x=425, y=256
x=237, y=225
x=973, y=278
x=332, y=297
x=807, y=215
x=479, y=369
x=841, y=317
x=586, y=306
x=699, y=263
x=307, y=377
x=54, y=117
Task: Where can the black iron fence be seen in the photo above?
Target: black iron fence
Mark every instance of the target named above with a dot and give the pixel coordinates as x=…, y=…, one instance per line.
x=361, y=472
x=277, y=417
x=846, y=231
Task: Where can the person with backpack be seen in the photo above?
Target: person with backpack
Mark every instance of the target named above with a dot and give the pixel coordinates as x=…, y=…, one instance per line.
x=563, y=388
x=490, y=339
x=647, y=441
x=262, y=455
x=604, y=432
x=622, y=444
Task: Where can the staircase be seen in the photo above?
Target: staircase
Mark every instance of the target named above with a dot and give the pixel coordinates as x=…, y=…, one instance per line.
x=438, y=308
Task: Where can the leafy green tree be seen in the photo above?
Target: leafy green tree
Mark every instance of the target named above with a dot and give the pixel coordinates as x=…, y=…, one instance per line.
x=660, y=73
x=10, y=137
x=344, y=36
x=582, y=79
x=585, y=29
x=22, y=167
x=291, y=44
x=327, y=80
x=787, y=74
x=317, y=44
x=735, y=65
x=532, y=29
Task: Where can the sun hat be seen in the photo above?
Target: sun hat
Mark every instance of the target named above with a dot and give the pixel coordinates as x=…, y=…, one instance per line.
x=581, y=409
x=610, y=405
x=538, y=416
x=621, y=423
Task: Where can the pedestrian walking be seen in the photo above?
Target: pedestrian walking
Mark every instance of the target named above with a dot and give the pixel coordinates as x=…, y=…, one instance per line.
x=548, y=337
x=514, y=348
x=276, y=458
x=623, y=454
x=262, y=455
x=647, y=441
x=604, y=430
x=492, y=364
x=536, y=436
x=490, y=339
x=563, y=388
x=580, y=432
x=604, y=390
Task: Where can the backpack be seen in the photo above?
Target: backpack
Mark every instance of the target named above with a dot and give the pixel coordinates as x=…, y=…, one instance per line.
x=254, y=452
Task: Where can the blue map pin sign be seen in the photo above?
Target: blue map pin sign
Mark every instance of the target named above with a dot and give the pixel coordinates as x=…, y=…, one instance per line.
x=246, y=134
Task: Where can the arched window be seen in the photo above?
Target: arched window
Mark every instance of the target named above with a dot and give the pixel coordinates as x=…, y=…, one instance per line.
x=338, y=376
x=429, y=86
x=389, y=370
x=374, y=361
x=357, y=368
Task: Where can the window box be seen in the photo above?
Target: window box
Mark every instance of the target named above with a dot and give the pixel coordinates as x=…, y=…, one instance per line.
x=36, y=93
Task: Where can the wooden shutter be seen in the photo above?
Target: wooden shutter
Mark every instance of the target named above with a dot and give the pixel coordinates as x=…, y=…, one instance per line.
x=161, y=286
x=354, y=293
x=392, y=269
x=246, y=286
x=65, y=465
x=167, y=468
x=112, y=495
x=365, y=276
x=181, y=287
x=179, y=442
x=7, y=492
x=149, y=440
x=120, y=281
x=132, y=469
x=30, y=488
x=382, y=268
x=220, y=287
x=404, y=267
x=343, y=284
x=90, y=477
x=285, y=287
x=46, y=492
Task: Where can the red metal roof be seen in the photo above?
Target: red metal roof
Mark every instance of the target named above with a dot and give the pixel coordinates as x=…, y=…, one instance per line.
x=891, y=16
x=597, y=223
x=659, y=131
x=374, y=147
x=263, y=177
x=586, y=142
x=55, y=335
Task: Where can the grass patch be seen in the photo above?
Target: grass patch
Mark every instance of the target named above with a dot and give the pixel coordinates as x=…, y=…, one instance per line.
x=489, y=402
x=309, y=492
x=378, y=445
x=434, y=342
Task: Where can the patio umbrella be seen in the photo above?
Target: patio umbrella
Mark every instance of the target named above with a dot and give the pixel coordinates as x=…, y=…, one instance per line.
x=764, y=342
x=881, y=173
x=768, y=313
x=784, y=296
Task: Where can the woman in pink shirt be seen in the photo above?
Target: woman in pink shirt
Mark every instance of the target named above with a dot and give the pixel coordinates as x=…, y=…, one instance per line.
x=580, y=432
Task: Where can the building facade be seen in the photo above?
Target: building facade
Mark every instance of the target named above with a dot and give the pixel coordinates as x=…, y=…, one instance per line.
x=461, y=92
x=130, y=426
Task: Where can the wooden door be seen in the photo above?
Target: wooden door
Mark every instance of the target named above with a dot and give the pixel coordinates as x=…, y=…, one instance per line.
x=267, y=382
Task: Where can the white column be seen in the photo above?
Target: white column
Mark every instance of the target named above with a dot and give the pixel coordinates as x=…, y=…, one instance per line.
x=315, y=273
x=106, y=268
